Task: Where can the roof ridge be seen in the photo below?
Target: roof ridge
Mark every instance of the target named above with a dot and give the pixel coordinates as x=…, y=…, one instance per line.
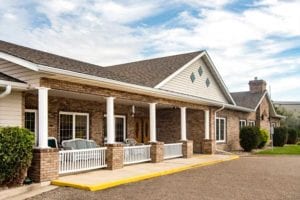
x=156, y=58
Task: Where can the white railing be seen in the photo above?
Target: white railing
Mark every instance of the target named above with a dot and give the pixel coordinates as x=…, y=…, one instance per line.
x=173, y=150
x=81, y=160
x=137, y=154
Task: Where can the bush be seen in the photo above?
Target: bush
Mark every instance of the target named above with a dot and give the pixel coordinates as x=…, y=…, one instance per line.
x=280, y=136
x=249, y=138
x=263, y=138
x=15, y=154
x=292, y=136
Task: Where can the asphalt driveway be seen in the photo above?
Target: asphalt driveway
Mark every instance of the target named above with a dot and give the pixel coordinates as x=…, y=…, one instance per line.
x=261, y=177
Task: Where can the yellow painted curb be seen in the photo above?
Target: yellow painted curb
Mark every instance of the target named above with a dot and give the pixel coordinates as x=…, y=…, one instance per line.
x=138, y=178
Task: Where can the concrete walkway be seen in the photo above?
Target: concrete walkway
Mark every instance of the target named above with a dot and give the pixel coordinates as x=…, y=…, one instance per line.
x=102, y=179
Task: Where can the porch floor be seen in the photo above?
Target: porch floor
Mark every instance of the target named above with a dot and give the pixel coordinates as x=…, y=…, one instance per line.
x=103, y=178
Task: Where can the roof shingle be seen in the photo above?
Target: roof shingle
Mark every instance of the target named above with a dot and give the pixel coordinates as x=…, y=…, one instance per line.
x=247, y=99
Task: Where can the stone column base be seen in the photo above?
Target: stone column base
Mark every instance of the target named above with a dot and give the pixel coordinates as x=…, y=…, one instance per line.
x=187, y=148
x=157, y=152
x=208, y=146
x=44, y=166
x=115, y=156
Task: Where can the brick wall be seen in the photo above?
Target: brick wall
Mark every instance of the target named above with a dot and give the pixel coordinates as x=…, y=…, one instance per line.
x=263, y=116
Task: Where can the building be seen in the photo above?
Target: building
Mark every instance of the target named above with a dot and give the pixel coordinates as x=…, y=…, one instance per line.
x=158, y=101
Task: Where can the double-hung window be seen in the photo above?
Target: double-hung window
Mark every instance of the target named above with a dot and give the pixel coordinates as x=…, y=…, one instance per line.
x=220, y=129
x=31, y=122
x=243, y=123
x=251, y=123
x=73, y=125
x=120, y=128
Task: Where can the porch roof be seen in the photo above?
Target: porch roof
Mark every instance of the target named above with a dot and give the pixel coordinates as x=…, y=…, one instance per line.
x=4, y=77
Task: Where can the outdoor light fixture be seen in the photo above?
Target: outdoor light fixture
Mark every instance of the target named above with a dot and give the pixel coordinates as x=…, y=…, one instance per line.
x=132, y=111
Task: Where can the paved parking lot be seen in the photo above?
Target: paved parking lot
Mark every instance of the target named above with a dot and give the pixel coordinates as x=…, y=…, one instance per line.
x=276, y=177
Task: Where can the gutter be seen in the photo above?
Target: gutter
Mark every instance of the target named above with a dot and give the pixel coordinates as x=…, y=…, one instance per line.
x=6, y=92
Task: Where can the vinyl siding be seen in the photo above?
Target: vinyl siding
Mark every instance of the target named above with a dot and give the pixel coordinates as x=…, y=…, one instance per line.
x=20, y=72
x=11, y=110
x=182, y=83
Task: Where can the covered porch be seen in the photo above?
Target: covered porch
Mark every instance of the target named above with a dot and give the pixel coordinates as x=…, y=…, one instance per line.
x=162, y=129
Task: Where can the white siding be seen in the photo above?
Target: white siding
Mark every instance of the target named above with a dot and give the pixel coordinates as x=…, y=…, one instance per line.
x=11, y=110
x=20, y=72
x=182, y=83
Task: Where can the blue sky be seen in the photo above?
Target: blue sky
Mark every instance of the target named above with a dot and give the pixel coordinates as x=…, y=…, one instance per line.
x=244, y=38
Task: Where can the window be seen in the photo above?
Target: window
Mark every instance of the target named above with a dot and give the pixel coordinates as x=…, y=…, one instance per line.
x=220, y=129
x=200, y=71
x=73, y=125
x=192, y=77
x=251, y=123
x=207, y=82
x=31, y=122
x=243, y=123
x=120, y=128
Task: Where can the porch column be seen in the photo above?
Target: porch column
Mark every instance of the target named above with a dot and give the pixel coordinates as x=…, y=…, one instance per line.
x=152, y=107
x=206, y=125
x=43, y=117
x=110, y=120
x=183, y=123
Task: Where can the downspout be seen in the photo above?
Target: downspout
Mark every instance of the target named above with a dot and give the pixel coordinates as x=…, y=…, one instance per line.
x=6, y=92
x=220, y=109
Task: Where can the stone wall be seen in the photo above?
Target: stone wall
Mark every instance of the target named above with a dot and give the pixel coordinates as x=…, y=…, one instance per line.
x=263, y=116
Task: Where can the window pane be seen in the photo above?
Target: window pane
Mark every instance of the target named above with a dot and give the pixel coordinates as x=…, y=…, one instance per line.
x=217, y=131
x=222, y=129
x=30, y=121
x=81, y=126
x=119, y=129
x=66, y=127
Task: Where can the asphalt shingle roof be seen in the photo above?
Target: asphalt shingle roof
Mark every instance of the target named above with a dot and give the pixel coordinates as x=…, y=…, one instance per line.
x=145, y=73
x=5, y=77
x=247, y=99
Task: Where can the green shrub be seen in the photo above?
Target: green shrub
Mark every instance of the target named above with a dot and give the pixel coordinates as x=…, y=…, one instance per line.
x=263, y=138
x=292, y=136
x=249, y=138
x=15, y=154
x=280, y=136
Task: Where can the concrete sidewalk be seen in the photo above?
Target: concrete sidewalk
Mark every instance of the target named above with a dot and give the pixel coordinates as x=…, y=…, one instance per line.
x=102, y=179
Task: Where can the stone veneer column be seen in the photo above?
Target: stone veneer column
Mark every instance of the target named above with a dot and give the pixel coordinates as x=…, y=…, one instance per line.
x=208, y=146
x=157, y=152
x=115, y=156
x=187, y=148
x=44, y=165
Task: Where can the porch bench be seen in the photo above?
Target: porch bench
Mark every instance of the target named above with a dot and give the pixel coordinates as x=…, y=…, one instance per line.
x=78, y=143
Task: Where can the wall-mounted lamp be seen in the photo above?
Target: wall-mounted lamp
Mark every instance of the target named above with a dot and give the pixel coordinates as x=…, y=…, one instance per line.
x=132, y=111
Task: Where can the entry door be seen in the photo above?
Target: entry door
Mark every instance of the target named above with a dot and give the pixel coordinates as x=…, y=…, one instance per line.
x=142, y=130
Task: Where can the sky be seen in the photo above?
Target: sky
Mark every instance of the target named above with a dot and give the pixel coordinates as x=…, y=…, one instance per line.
x=244, y=38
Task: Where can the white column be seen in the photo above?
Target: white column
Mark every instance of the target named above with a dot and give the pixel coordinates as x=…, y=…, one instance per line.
x=183, y=123
x=206, y=125
x=152, y=107
x=43, y=117
x=110, y=120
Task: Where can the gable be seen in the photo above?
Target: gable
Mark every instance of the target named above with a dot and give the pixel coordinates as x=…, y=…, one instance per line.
x=196, y=80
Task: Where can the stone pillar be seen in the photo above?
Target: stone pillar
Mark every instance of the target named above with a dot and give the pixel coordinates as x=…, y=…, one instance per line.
x=208, y=146
x=157, y=152
x=152, y=111
x=110, y=120
x=44, y=165
x=187, y=148
x=43, y=117
x=115, y=156
x=183, y=123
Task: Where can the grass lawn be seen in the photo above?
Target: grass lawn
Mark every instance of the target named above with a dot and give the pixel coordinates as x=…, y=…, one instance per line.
x=286, y=150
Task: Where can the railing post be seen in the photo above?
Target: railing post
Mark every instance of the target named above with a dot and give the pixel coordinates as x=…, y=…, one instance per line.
x=157, y=152
x=187, y=148
x=115, y=156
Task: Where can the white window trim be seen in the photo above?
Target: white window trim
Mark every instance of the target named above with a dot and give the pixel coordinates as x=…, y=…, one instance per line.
x=74, y=121
x=124, y=127
x=245, y=123
x=225, y=128
x=35, y=124
x=251, y=123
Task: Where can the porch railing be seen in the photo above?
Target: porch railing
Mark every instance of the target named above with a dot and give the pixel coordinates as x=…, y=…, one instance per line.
x=81, y=160
x=173, y=150
x=136, y=154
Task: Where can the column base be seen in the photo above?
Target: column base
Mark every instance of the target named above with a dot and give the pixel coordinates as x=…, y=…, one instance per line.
x=187, y=148
x=157, y=152
x=115, y=156
x=208, y=146
x=44, y=166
